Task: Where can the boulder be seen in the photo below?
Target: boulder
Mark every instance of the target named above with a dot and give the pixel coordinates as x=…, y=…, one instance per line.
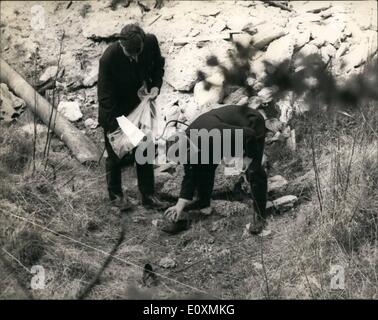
x=50, y=73
x=181, y=69
x=70, y=110
x=300, y=38
x=277, y=184
x=266, y=34
x=10, y=105
x=280, y=50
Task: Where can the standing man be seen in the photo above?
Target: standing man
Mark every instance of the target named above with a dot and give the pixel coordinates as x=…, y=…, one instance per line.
x=126, y=65
x=200, y=175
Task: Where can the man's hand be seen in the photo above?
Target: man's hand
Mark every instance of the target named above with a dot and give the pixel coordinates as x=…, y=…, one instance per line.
x=173, y=214
x=176, y=212
x=154, y=92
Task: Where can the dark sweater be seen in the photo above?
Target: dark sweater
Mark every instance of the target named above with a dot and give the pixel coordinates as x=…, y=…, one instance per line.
x=119, y=80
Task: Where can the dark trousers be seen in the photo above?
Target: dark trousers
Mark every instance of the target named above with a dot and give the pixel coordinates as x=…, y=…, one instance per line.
x=113, y=165
x=200, y=178
x=257, y=178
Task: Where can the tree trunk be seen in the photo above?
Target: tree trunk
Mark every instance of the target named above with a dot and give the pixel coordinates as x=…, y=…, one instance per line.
x=81, y=146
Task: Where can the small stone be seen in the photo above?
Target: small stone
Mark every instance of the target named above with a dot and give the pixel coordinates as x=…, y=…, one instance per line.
x=91, y=123
x=285, y=202
x=276, y=183
x=70, y=110
x=157, y=223
x=50, y=73
x=167, y=263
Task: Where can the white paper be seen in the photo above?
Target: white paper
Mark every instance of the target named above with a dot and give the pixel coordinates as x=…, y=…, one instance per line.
x=133, y=132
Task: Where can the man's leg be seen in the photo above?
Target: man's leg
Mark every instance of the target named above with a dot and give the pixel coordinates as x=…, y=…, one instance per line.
x=146, y=185
x=205, y=183
x=113, y=172
x=257, y=178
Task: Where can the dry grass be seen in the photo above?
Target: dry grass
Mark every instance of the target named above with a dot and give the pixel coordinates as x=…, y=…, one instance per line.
x=295, y=262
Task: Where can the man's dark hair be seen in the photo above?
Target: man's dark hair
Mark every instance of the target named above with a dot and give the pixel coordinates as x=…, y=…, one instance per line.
x=132, y=37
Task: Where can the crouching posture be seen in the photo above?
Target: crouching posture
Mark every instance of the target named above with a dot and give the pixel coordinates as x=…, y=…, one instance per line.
x=126, y=66
x=199, y=175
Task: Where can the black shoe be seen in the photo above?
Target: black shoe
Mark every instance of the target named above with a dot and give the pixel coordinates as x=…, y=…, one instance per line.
x=175, y=227
x=152, y=202
x=258, y=226
x=122, y=204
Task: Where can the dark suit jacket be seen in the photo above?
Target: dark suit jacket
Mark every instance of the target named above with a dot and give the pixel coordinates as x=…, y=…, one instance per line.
x=234, y=117
x=119, y=80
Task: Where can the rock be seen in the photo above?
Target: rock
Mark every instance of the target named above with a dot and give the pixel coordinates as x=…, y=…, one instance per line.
x=301, y=38
x=183, y=76
x=230, y=208
x=316, y=6
x=93, y=29
x=327, y=52
x=167, y=16
x=276, y=183
x=212, y=12
x=309, y=49
x=215, y=92
x=50, y=74
x=274, y=125
x=244, y=39
x=91, y=123
x=267, y=94
x=246, y=3
x=331, y=33
x=235, y=97
x=283, y=203
x=10, y=105
x=167, y=263
x=250, y=28
x=190, y=110
x=356, y=56
x=91, y=75
x=344, y=47
x=266, y=34
x=70, y=110
x=157, y=223
x=258, y=266
x=280, y=50
x=257, y=67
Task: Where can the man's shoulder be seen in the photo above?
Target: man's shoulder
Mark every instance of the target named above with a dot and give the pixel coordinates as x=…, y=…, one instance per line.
x=110, y=52
x=151, y=39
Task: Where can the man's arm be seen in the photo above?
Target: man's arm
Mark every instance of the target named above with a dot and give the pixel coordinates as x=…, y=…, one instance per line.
x=158, y=64
x=106, y=97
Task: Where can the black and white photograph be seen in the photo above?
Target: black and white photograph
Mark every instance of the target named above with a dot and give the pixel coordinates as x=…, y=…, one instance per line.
x=167, y=150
